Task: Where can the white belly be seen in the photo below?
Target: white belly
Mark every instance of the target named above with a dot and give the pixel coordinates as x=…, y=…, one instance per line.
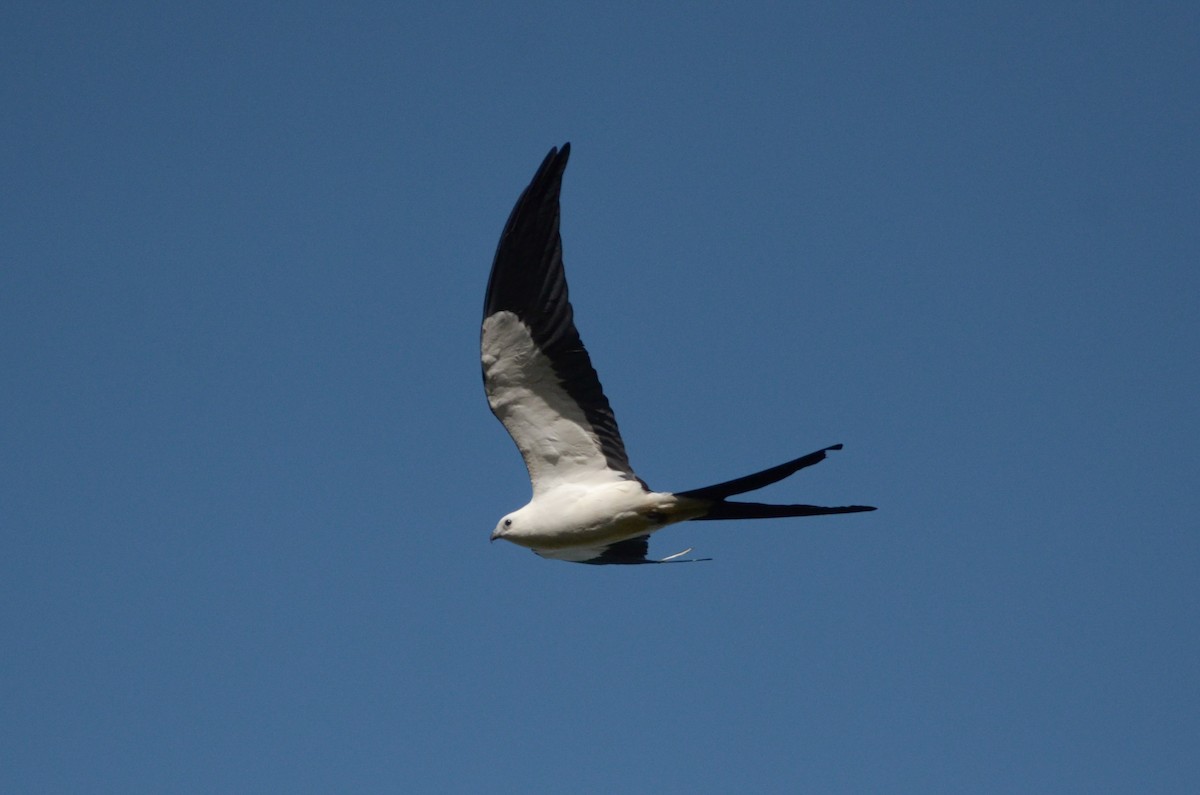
x=573, y=515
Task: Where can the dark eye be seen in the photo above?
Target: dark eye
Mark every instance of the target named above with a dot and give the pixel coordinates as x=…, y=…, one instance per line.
x=508, y=522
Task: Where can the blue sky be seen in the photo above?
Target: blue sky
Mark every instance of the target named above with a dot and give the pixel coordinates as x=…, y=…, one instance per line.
x=248, y=473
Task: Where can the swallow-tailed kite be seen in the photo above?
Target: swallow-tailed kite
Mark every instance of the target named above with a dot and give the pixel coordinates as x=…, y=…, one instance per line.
x=588, y=506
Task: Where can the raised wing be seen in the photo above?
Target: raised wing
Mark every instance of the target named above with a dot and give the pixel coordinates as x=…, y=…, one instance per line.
x=539, y=379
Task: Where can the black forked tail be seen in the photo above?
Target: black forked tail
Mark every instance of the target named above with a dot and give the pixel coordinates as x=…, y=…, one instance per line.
x=756, y=510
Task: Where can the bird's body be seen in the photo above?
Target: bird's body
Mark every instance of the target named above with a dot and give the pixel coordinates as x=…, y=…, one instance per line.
x=588, y=506
x=574, y=516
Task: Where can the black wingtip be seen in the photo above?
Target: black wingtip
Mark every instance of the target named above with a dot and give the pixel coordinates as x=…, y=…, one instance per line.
x=529, y=251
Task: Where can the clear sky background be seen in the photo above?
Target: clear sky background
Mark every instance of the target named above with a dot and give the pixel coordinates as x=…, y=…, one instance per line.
x=247, y=472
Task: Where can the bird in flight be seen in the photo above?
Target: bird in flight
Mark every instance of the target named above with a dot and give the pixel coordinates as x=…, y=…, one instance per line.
x=588, y=506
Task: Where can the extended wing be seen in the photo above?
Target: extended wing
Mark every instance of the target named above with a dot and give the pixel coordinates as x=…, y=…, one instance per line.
x=629, y=551
x=539, y=379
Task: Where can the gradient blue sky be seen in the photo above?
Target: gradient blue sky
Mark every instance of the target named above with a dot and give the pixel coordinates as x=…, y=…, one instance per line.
x=247, y=473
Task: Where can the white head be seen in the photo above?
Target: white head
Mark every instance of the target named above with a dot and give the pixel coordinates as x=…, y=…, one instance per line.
x=503, y=527
x=521, y=527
